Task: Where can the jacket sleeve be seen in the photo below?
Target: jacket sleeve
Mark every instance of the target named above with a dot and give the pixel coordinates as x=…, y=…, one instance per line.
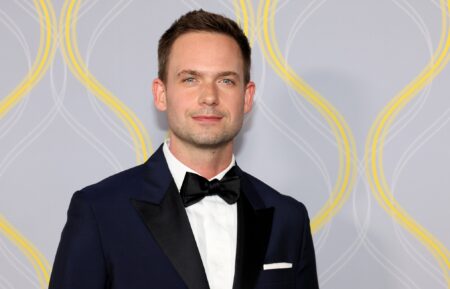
x=306, y=268
x=79, y=261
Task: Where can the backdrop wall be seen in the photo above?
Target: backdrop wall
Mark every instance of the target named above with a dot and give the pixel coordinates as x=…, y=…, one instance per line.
x=351, y=118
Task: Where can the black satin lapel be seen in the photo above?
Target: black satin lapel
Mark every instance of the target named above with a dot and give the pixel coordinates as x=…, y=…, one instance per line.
x=254, y=227
x=169, y=225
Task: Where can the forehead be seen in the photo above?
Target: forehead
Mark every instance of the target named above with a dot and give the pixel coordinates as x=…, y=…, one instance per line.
x=205, y=51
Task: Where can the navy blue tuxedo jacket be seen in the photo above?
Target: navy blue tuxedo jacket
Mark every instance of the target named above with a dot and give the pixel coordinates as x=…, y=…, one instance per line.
x=131, y=231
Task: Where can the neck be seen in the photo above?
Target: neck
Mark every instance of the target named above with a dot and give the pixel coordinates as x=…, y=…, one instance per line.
x=208, y=162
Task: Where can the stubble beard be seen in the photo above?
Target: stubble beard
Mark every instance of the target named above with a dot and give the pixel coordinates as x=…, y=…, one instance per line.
x=206, y=138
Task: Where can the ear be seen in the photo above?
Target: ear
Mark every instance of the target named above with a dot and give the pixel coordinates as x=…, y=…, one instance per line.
x=159, y=94
x=248, y=97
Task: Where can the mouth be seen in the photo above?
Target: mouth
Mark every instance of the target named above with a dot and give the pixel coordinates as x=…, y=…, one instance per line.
x=207, y=118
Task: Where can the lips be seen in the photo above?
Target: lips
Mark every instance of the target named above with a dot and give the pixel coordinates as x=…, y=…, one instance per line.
x=207, y=118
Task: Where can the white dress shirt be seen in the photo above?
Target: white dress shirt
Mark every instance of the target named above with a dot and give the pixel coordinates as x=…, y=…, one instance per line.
x=214, y=224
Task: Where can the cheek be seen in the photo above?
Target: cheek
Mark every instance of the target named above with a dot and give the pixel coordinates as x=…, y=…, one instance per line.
x=178, y=107
x=174, y=110
x=236, y=109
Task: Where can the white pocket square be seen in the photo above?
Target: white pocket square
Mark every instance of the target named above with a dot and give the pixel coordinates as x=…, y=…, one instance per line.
x=282, y=265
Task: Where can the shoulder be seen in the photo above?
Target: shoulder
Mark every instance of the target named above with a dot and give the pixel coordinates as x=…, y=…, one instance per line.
x=113, y=187
x=272, y=197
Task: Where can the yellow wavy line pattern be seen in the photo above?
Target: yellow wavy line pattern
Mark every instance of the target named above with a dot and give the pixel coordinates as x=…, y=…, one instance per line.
x=253, y=25
x=248, y=18
x=347, y=170
x=376, y=140
x=45, y=55
x=39, y=262
x=72, y=56
x=245, y=17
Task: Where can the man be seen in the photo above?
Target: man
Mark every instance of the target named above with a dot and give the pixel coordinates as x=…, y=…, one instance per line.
x=163, y=224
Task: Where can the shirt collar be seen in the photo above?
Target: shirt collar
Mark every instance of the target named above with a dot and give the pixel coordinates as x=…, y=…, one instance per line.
x=178, y=169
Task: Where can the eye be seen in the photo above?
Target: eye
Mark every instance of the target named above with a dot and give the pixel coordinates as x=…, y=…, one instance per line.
x=228, y=81
x=189, y=80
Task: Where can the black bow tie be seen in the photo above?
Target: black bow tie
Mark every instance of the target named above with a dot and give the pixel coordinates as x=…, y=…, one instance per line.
x=196, y=187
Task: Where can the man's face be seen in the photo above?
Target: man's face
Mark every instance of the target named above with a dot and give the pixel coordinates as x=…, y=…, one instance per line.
x=204, y=95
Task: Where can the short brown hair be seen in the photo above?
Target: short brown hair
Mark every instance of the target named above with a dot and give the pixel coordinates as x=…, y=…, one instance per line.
x=200, y=20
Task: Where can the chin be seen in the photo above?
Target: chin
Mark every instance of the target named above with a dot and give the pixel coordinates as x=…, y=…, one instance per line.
x=207, y=139
x=212, y=141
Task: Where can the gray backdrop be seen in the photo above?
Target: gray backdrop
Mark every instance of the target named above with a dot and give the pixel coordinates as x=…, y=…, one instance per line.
x=351, y=118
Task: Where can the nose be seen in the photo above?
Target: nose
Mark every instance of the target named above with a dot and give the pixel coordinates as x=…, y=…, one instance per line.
x=209, y=94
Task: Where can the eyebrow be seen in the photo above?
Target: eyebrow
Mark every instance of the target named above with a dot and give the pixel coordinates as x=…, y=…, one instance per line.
x=228, y=73
x=188, y=71
x=197, y=73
